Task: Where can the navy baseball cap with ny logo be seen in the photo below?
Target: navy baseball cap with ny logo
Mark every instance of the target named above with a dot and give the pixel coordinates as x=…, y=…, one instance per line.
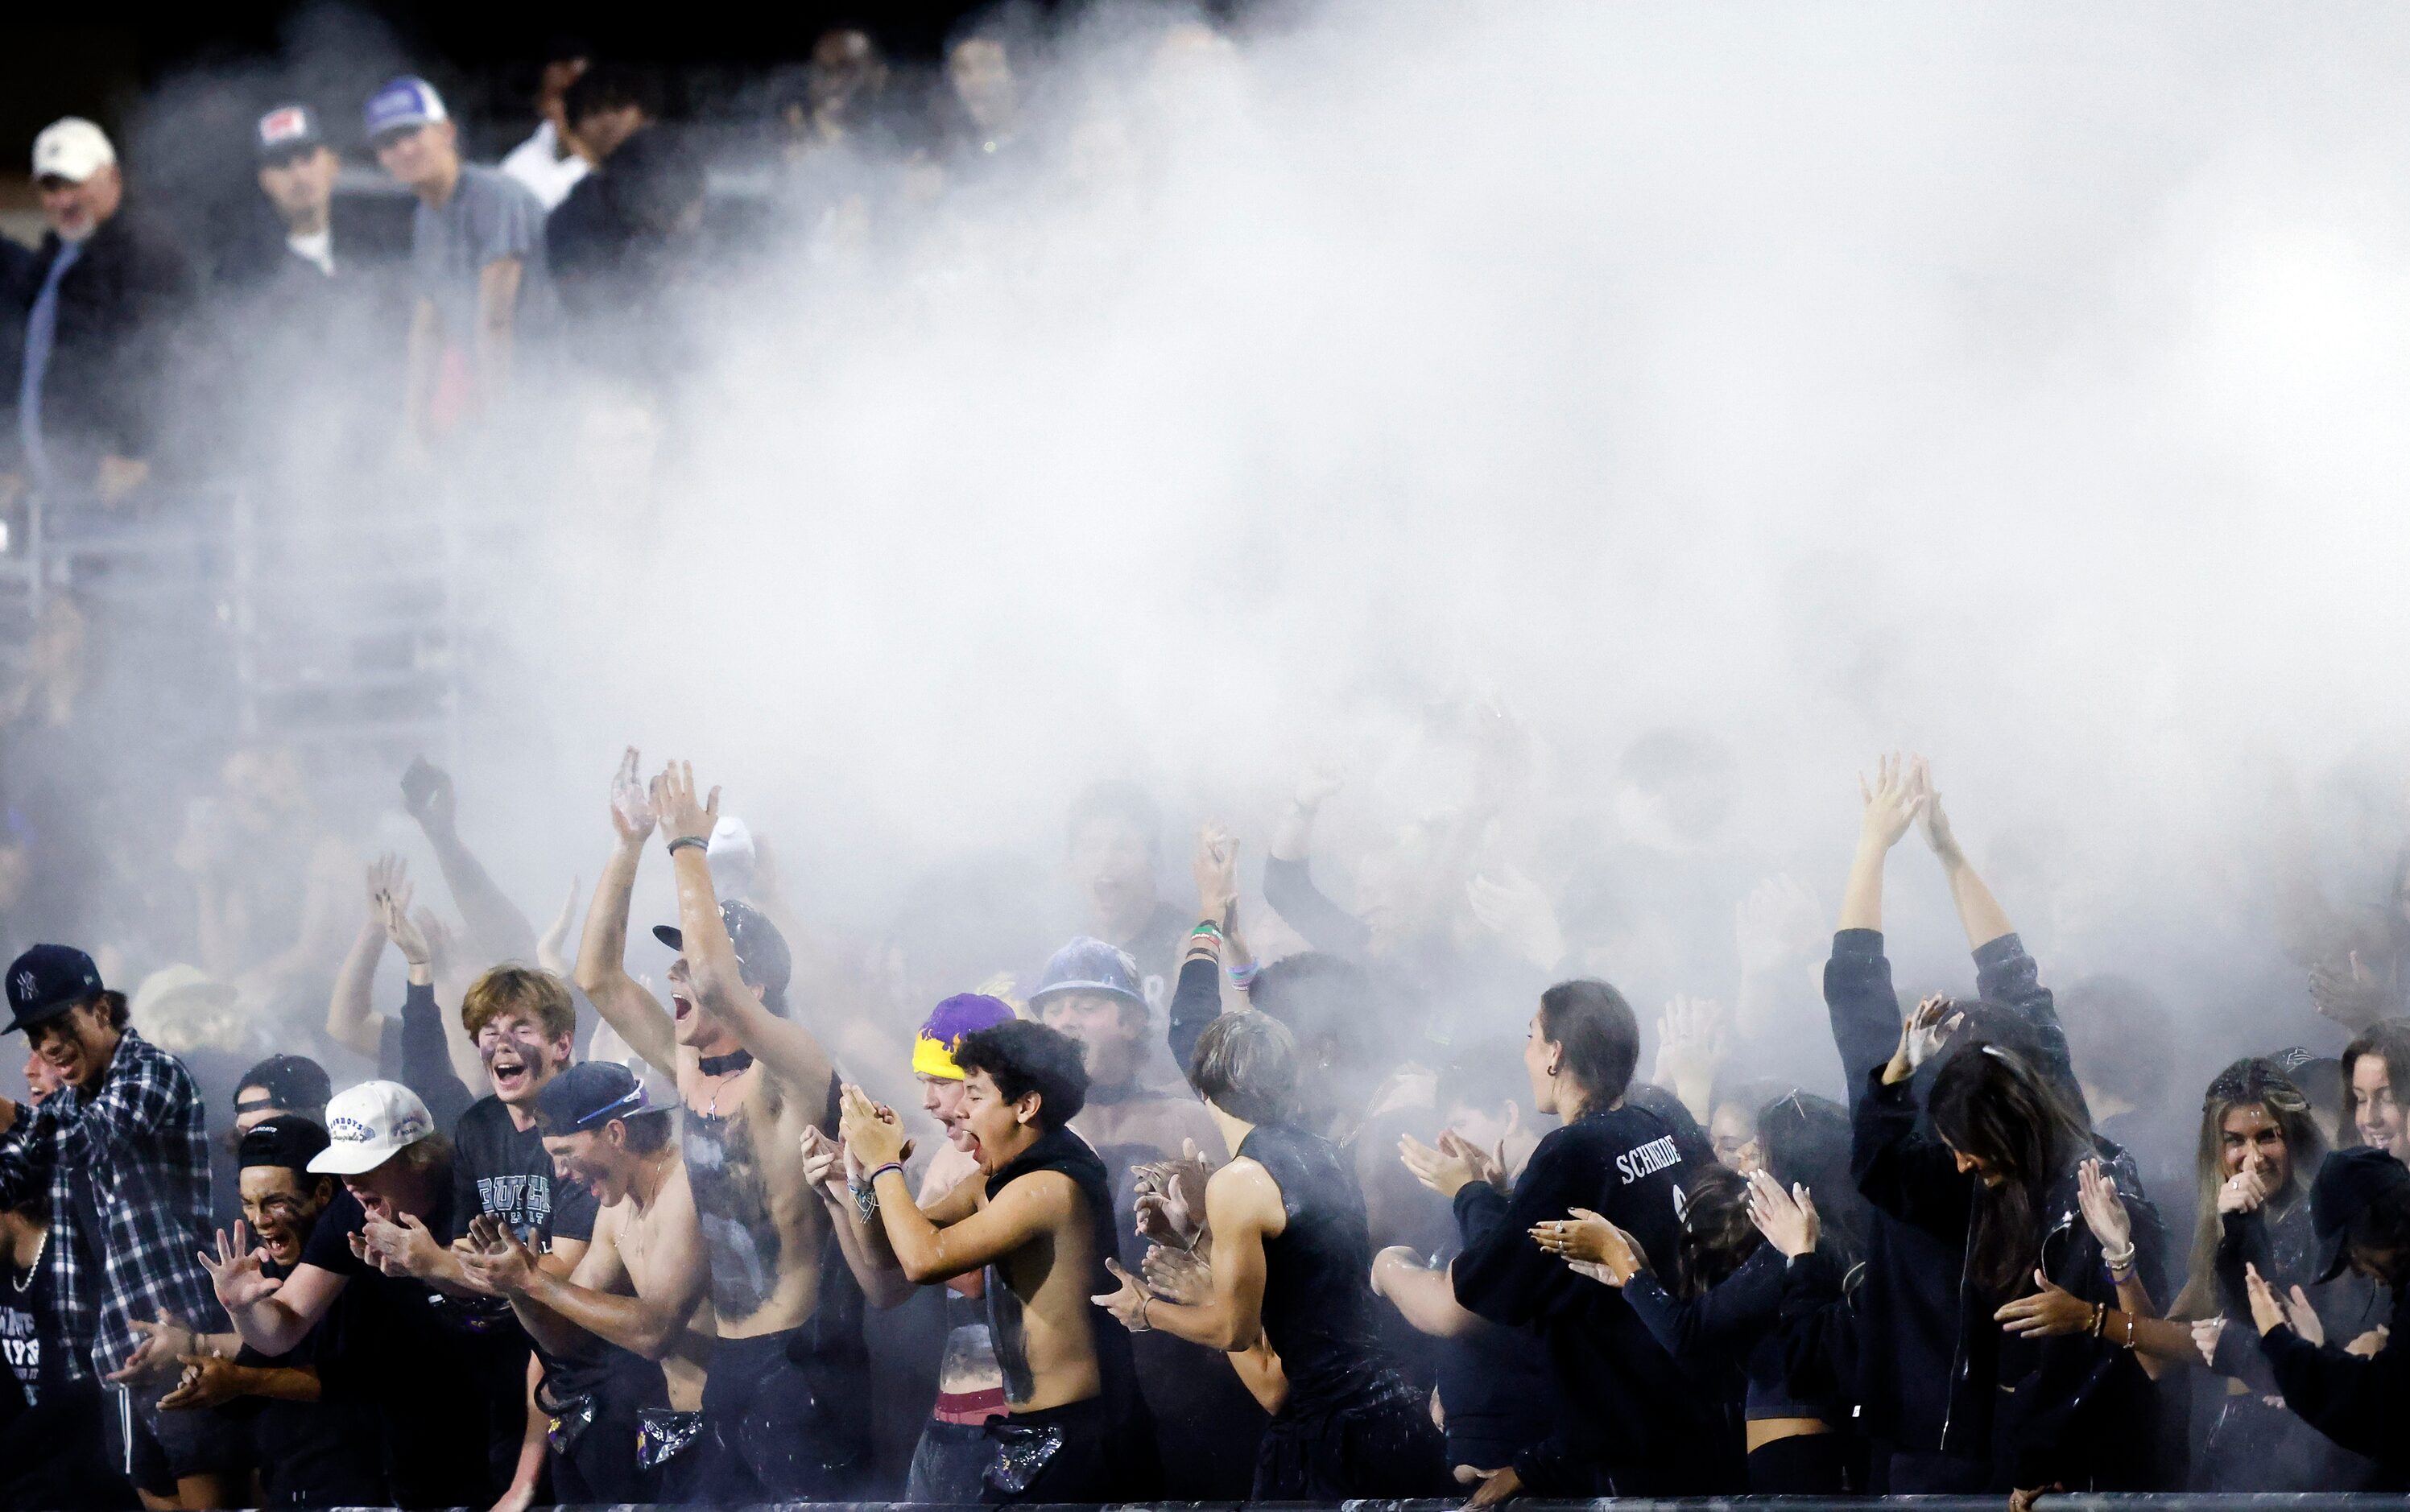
x=45, y=981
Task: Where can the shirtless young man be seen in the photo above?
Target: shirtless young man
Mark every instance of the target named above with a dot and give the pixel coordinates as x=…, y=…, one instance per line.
x=1039, y=1215
x=637, y=1288
x=785, y=1411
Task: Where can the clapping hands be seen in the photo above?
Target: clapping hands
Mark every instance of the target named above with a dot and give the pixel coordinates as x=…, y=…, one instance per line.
x=1170, y=1198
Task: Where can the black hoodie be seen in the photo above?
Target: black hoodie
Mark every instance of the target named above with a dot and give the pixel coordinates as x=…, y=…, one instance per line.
x=1632, y=1421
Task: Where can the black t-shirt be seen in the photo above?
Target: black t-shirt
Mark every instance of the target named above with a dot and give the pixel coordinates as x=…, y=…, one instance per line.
x=329, y=1452
x=433, y=1363
x=29, y=1339
x=501, y=1169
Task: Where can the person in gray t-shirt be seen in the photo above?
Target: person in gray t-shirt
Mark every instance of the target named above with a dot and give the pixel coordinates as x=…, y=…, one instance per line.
x=477, y=260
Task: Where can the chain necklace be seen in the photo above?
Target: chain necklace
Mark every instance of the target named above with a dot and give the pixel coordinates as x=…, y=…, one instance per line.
x=34, y=1266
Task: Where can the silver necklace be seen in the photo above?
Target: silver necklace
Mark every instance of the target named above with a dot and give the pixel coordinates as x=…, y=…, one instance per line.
x=34, y=1266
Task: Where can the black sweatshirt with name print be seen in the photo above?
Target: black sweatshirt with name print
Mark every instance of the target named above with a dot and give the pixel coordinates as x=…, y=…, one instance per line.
x=1631, y=1422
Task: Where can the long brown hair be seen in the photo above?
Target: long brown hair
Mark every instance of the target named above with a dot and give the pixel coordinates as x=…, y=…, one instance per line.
x=1988, y=1100
x=2253, y=1082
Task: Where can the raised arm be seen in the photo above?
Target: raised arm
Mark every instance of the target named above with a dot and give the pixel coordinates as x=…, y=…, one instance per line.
x=792, y=1053
x=352, y=1019
x=498, y=931
x=427, y=1065
x=1289, y=883
x=1979, y=913
x=926, y=1246
x=633, y=1014
x=273, y=1315
x=1892, y=802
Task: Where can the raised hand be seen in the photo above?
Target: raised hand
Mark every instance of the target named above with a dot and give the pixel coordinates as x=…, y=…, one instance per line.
x=1694, y=1036
x=237, y=1270
x=824, y=1164
x=1217, y=869
x=1787, y=1219
x=388, y=876
x=2354, y=998
x=874, y=1134
x=1521, y=913
x=1930, y=818
x=1893, y=801
x=1487, y=1165
x=1178, y=1275
x=1318, y=782
x=682, y=812
x=2104, y=1210
x=427, y=793
x=2304, y=1318
x=1170, y=1198
x=1922, y=1034
x=393, y=907
x=631, y=810
x=2206, y=1332
x=551, y=949
x=2051, y=1310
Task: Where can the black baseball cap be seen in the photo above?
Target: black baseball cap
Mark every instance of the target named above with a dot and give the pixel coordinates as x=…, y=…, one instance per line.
x=2348, y=1185
x=588, y=1096
x=45, y=981
x=761, y=949
x=288, y=1140
x=287, y=130
x=294, y=1083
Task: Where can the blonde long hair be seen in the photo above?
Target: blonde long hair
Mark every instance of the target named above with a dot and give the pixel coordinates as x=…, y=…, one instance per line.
x=2253, y=1082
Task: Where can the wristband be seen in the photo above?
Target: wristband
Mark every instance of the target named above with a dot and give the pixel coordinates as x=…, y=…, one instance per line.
x=700, y=842
x=1206, y=926
x=896, y=1166
x=1243, y=977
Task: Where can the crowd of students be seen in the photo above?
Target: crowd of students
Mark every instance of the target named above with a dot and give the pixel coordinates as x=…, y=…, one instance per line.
x=676, y=1249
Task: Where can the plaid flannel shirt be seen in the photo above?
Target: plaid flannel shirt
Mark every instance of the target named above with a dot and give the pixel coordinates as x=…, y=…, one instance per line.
x=126, y=1170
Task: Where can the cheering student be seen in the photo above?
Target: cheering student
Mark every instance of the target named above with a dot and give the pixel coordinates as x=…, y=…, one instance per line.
x=786, y=1402
x=623, y=1382
x=1289, y=1260
x=129, y=1123
x=2361, y=1208
x=2259, y=1144
x=1039, y=1216
x=426, y=1361
x=1631, y=1422
x=2375, y=1073
x=2048, y=1310
x=312, y=1440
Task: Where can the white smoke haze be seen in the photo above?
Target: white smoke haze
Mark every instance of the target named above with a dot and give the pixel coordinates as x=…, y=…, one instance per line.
x=2020, y=384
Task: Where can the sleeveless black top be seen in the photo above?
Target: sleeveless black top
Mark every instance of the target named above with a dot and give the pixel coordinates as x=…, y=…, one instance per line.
x=1058, y=1149
x=1318, y=1309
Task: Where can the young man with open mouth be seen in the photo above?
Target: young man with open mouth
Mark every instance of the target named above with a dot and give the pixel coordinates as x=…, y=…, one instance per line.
x=624, y=1382
x=786, y=1410
x=1039, y=1216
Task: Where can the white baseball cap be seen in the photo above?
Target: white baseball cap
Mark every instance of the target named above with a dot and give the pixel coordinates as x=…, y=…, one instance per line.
x=73, y=148
x=368, y=1125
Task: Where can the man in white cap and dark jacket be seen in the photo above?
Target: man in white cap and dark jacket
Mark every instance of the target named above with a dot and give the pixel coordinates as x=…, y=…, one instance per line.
x=441, y=1368
x=97, y=309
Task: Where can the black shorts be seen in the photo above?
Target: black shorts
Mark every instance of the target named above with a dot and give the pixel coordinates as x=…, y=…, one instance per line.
x=1082, y=1451
x=156, y=1449
x=1381, y=1444
x=782, y=1422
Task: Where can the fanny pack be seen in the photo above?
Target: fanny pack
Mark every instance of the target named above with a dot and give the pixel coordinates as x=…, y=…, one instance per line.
x=1021, y=1453
x=663, y=1433
x=568, y=1422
